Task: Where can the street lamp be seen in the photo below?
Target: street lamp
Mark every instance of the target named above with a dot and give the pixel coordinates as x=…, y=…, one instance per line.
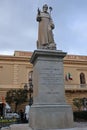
x=29, y=88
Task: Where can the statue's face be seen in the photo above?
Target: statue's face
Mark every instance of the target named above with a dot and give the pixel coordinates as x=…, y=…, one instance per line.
x=45, y=9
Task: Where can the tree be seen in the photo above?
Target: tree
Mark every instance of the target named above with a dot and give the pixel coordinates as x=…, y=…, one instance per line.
x=16, y=96
x=78, y=103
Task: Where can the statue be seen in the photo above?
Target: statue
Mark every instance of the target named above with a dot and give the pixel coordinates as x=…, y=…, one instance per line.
x=45, y=35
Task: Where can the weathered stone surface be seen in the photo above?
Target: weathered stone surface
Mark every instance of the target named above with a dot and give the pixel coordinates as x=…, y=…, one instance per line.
x=48, y=77
x=50, y=110
x=51, y=116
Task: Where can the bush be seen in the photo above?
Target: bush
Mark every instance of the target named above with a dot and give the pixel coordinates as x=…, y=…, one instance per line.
x=78, y=103
x=8, y=120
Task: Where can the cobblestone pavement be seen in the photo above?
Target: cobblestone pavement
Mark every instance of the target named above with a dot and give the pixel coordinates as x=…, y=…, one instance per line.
x=77, y=126
x=80, y=124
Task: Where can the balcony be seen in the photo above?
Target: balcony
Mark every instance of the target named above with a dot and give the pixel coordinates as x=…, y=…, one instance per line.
x=76, y=87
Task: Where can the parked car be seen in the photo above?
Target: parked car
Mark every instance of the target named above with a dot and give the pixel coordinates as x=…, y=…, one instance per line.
x=12, y=115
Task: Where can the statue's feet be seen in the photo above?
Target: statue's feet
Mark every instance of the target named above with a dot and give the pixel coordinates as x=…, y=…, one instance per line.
x=52, y=46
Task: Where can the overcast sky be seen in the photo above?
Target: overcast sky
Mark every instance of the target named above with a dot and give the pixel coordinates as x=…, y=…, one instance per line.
x=19, y=29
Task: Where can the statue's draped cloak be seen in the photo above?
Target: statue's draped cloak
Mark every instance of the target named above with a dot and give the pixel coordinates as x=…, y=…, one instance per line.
x=45, y=35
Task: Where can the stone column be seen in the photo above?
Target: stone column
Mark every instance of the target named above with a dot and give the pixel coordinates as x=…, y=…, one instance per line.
x=49, y=110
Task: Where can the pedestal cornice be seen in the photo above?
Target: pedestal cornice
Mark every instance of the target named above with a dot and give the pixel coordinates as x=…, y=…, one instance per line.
x=47, y=53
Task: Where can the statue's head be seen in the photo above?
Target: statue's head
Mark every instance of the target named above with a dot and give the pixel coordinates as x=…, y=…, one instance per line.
x=45, y=8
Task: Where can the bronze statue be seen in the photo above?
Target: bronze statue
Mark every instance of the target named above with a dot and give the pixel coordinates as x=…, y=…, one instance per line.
x=46, y=25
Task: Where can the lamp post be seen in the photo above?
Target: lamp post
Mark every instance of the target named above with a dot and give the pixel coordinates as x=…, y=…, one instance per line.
x=29, y=88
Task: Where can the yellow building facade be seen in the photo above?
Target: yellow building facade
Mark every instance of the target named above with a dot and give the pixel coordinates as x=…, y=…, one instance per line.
x=14, y=73
x=75, y=87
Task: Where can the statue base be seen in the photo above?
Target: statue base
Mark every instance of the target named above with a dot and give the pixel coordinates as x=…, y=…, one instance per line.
x=56, y=116
x=50, y=110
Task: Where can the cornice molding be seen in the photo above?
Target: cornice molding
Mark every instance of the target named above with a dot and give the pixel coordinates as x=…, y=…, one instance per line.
x=13, y=58
x=75, y=62
x=75, y=90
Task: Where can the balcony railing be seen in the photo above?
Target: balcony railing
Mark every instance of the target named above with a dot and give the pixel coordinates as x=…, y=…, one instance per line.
x=76, y=87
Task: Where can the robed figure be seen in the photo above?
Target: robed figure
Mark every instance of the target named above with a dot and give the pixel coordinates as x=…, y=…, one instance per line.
x=46, y=25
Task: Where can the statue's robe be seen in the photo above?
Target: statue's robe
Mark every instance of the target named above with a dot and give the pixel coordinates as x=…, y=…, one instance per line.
x=45, y=35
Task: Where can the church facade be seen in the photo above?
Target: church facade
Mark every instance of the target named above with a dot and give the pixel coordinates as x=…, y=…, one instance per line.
x=14, y=73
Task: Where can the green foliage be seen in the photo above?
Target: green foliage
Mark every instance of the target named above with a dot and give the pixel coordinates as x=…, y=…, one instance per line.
x=16, y=96
x=78, y=103
x=7, y=120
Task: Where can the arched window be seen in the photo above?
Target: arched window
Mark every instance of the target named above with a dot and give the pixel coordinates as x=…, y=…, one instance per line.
x=82, y=78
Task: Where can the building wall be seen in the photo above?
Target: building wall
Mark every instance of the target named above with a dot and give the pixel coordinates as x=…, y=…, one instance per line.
x=75, y=65
x=6, y=74
x=14, y=73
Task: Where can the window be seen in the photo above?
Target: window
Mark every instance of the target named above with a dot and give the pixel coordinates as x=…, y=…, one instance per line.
x=82, y=79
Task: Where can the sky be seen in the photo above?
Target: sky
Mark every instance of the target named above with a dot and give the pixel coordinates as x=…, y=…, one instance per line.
x=19, y=28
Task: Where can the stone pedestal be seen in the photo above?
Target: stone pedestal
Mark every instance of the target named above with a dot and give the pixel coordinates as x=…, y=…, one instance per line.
x=49, y=110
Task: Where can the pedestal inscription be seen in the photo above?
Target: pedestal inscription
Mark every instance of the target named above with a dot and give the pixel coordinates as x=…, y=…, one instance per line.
x=50, y=82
